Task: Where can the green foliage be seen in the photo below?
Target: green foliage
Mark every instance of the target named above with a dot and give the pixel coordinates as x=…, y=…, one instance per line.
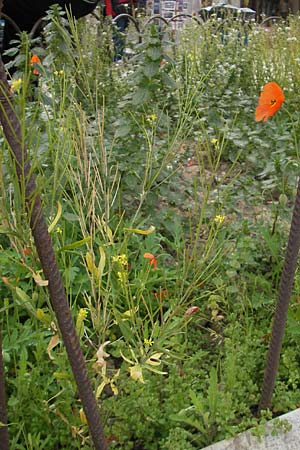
x=151, y=82
x=168, y=208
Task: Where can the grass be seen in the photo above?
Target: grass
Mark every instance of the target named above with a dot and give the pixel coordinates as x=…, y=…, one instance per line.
x=159, y=155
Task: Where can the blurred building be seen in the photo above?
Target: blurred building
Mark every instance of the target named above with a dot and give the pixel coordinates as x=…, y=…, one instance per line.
x=275, y=7
x=167, y=8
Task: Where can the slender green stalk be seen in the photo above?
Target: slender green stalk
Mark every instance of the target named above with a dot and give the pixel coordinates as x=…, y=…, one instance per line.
x=4, y=444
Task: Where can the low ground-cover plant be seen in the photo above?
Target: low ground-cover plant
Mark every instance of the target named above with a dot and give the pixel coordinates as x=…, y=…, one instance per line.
x=168, y=219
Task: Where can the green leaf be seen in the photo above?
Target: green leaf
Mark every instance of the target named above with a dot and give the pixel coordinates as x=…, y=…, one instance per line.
x=141, y=96
x=187, y=420
x=197, y=402
x=167, y=80
x=151, y=69
x=70, y=217
x=24, y=300
x=154, y=53
x=123, y=131
x=124, y=326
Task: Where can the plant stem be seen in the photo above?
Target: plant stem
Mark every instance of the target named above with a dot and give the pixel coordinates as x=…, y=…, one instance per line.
x=279, y=321
x=12, y=131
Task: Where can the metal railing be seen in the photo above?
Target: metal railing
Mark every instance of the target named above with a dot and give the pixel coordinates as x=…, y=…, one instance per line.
x=140, y=29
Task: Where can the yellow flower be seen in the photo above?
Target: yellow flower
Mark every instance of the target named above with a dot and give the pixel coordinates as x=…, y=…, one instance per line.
x=122, y=277
x=215, y=142
x=58, y=72
x=152, y=118
x=191, y=57
x=58, y=230
x=148, y=342
x=219, y=219
x=16, y=85
x=120, y=259
x=82, y=314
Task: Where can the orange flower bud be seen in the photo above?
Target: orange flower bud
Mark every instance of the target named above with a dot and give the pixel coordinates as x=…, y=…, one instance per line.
x=35, y=60
x=152, y=259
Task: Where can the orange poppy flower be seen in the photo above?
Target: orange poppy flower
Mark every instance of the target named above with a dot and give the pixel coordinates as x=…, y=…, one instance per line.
x=269, y=102
x=35, y=60
x=152, y=259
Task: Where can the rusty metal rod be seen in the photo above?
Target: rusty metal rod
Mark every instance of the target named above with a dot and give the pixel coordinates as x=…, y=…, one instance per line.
x=280, y=315
x=4, y=444
x=12, y=131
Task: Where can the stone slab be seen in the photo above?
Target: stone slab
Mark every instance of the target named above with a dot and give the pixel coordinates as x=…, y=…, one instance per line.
x=289, y=440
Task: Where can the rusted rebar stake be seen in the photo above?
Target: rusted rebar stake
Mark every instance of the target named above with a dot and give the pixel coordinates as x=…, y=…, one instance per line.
x=12, y=131
x=279, y=321
x=4, y=445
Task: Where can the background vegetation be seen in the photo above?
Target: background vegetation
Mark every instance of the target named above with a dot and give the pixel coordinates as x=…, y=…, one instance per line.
x=168, y=207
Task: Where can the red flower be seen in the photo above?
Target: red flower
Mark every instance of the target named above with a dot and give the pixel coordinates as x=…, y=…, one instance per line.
x=35, y=60
x=269, y=102
x=191, y=162
x=162, y=294
x=152, y=259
